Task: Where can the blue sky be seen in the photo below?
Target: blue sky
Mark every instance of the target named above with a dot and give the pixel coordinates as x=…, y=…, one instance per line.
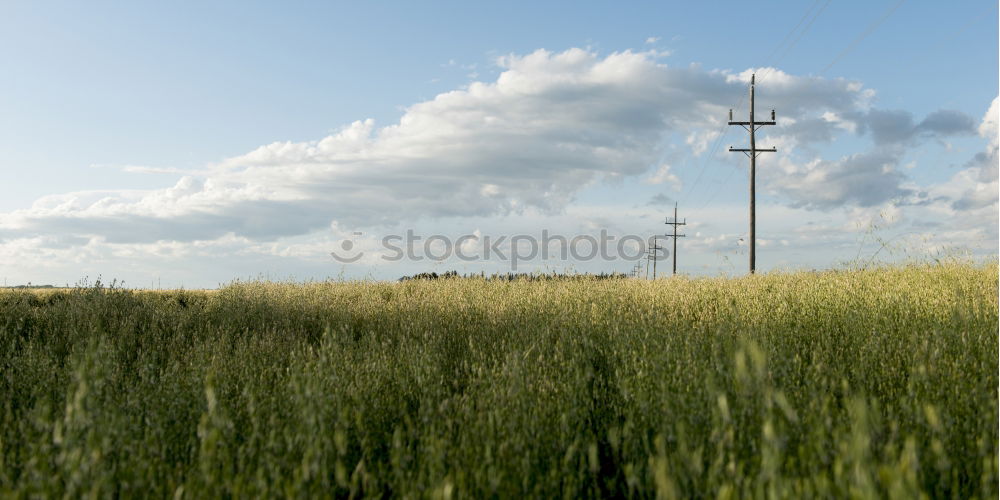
x=113, y=109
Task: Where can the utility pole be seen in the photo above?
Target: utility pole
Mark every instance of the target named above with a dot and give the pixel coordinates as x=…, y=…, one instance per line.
x=656, y=248
x=647, y=263
x=636, y=269
x=675, y=223
x=752, y=126
x=651, y=256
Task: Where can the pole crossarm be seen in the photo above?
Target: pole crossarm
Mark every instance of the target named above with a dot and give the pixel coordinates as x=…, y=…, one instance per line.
x=756, y=150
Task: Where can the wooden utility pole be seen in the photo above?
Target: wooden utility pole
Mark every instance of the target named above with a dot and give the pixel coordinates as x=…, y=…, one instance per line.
x=651, y=256
x=675, y=223
x=647, y=263
x=656, y=248
x=751, y=126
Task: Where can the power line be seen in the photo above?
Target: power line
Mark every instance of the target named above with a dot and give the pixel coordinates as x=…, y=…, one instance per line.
x=752, y=152
x=868, y=31
x=720, y=134
x=770, y=63
x=789, y=34
x=921, y=54
x=725, y=182
x=871, y=28
x=802, y=33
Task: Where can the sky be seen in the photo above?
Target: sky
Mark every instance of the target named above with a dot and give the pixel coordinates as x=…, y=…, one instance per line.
x=189, y=144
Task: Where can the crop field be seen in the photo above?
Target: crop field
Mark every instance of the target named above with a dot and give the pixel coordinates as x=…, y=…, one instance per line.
x=865, y=383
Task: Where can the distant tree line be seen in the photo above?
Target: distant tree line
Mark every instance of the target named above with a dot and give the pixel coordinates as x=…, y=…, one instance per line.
x=514, y=276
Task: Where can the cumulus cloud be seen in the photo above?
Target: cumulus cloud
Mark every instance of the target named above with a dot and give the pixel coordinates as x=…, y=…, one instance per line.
x=660, y=199
x=550, y=124
x=664, y=175
x=988, y=160
x=803, y=95
x=887, y=127
x=897, y=126
x=699, y=140
x=862, y=179
x=979, y=181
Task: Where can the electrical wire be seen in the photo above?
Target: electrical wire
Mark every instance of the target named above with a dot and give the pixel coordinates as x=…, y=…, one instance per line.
x=868, y=31
x=922, y=54
x=871, y=28
x=771, y=64
x=792, y=31
x=770, y=61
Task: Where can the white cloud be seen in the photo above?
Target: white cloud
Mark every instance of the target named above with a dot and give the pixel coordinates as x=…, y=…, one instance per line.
x=549, y=125
x=988, y=161
x=862, y=179
x=660, y=199
x=988, y=128
x=664, y=175
x=898, y=126
x=976, y=187
x=861, y=219
x=700, y=139
x=840, y=122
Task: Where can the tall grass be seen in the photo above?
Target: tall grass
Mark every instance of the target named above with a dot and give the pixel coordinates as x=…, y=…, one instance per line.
x=854, y=383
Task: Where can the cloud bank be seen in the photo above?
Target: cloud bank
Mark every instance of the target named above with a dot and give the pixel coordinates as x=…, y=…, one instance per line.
x=551, y=124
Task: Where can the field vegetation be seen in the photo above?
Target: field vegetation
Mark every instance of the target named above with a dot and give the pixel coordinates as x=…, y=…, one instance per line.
x=864, y=383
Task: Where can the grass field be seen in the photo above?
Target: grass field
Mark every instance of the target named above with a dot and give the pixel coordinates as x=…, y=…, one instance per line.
x=841, y=383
